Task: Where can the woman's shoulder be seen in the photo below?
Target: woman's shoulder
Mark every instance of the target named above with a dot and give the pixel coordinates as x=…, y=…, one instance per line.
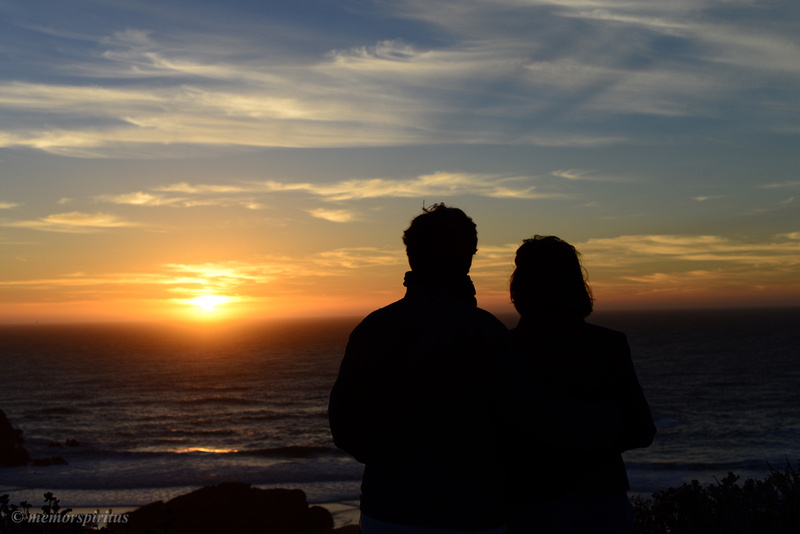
x=604, y=332
x=566, y=327
x=577, y=342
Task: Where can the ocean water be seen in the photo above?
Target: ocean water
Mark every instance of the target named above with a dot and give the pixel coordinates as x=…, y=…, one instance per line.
x=162, y=410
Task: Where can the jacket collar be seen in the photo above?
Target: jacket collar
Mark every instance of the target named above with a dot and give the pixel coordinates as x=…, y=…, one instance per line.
x=459, y=287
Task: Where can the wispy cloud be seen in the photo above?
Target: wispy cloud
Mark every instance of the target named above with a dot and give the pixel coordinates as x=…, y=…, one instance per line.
x=781, y=185
x=360, y=257
x=140, y=199
x=682, y=267
x=618, y=57
x=494, y=260
x=496, y=73
x=572, y=174
x=224, y=277
x=73, y=222
x=184, y=187
x=7, y=205
x=339, y=216
x=577, y=175
x=438, y=183
x=240, y=279
x=434, y=184
x=773, y=206
x=628, y=250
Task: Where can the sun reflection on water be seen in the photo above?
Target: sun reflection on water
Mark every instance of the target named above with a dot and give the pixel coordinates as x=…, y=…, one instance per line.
x=212, y=450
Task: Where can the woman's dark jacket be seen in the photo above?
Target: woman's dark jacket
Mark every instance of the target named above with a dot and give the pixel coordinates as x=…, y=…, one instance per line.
x=590, y=363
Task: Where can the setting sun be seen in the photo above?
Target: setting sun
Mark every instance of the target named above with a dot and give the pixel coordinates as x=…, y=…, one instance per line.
x=209, y=302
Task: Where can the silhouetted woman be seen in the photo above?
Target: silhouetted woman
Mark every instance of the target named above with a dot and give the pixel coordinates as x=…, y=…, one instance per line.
x=558, y=490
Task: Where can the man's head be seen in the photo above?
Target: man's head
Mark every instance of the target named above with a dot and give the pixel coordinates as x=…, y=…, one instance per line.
x=441, y=242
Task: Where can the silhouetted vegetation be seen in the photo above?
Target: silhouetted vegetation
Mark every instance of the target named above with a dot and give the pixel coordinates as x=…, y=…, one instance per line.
x=49, y=518
x=770, y=506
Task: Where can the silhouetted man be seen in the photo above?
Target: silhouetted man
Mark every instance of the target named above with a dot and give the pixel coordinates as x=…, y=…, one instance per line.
x=428, y=389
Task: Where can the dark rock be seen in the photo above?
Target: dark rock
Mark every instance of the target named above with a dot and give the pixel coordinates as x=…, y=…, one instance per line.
x=72, y=443
x=12, y=453
x=233, y=507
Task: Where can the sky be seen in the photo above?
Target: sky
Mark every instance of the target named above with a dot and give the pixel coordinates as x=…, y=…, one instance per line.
x=235, y=159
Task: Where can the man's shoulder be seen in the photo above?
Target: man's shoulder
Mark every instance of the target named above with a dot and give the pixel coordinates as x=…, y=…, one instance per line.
x=379, y=318
x=385, y=313
x=407, y=312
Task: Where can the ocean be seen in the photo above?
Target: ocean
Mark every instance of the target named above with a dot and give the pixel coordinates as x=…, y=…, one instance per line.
x=158, y=411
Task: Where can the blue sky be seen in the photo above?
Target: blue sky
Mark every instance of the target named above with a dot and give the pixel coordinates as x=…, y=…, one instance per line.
x=152, y=152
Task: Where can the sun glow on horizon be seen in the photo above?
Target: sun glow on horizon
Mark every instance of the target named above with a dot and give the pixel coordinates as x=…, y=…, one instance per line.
x=209, y=302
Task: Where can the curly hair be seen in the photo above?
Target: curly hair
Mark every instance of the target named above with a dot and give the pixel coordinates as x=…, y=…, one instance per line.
x=441, y=241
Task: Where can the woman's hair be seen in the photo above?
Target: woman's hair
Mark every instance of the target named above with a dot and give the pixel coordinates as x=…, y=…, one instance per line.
x=549, y=280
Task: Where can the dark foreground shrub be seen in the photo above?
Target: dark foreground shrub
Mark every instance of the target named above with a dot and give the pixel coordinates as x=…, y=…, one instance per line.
x=47, y=519
x=770, y=506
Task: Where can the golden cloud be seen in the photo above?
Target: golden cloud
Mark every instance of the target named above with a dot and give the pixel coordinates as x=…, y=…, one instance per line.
x=74, y=222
